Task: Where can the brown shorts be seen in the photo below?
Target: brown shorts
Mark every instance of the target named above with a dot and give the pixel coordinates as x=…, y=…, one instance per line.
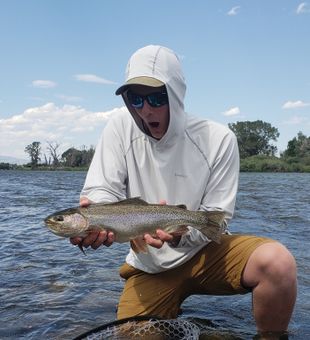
x=215, y=270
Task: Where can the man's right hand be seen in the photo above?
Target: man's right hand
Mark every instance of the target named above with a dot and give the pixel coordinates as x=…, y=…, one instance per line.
x=95, y=238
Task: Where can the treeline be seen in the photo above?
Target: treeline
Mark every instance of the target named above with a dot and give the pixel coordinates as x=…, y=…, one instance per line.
x=53, y=159
x=255, y=140
x=258, y=154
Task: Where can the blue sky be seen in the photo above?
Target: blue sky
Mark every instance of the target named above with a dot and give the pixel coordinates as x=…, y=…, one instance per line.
x=61, y=62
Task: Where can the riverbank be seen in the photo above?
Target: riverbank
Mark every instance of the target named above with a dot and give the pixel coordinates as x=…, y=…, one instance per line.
x=7, y=166
x=274, y=164
x=250, y=164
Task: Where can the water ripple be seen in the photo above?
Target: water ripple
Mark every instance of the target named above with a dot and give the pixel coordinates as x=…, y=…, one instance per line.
x=53, y=291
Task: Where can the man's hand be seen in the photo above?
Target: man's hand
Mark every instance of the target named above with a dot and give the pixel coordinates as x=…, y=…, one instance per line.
x=161, y=236
x=95, y=238
x=158, y=240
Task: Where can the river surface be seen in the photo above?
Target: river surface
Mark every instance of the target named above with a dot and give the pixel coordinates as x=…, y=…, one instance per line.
x=50, y=290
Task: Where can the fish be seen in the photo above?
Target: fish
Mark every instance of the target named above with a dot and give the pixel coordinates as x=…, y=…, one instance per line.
x=131, y=218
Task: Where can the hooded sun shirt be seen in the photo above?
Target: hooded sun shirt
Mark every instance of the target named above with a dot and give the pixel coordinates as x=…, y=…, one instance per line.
x=195, y=163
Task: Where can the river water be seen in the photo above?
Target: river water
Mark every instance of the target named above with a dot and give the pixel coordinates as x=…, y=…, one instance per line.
x=50, y=290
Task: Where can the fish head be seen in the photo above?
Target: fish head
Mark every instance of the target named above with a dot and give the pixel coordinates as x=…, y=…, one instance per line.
x=67, y=223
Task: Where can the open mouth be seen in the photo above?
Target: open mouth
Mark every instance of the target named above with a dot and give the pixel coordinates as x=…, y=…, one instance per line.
x=154, y=124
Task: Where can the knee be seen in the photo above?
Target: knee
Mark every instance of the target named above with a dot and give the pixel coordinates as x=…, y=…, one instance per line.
x=270, y=263
x=275, y=262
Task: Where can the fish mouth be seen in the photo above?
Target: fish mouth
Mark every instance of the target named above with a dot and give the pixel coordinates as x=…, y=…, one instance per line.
x=51, y=221
x=50, y=224
x=47, y=221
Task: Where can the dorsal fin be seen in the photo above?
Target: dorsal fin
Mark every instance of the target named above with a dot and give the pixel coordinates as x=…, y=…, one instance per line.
x=182, y=206
x=129, y=201
x=132, y=201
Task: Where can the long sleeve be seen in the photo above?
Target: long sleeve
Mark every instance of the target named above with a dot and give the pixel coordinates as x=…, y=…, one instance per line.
x=221, y=190
x=107, y=175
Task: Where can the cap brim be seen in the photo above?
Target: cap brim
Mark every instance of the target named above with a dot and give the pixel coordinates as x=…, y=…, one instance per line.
x=147, y=81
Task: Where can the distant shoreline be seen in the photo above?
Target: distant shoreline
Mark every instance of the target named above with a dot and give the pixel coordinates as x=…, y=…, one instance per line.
x=20, y=168
x=25, y=168
x=257, y=163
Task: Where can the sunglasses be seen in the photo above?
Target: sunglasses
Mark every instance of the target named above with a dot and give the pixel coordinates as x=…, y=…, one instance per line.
x=155, y=99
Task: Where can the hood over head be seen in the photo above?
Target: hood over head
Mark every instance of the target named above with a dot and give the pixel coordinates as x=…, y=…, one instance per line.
x=156, y=66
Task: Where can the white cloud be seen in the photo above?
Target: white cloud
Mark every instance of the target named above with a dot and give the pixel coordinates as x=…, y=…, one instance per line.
x=69, y=125
x=92, y=78
x=233, y=11
x=44, y=84
x=294, y=105
x=232, y=112
x=303, y=8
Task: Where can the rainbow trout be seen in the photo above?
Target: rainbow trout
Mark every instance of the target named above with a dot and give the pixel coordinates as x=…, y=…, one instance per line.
x=130, y=219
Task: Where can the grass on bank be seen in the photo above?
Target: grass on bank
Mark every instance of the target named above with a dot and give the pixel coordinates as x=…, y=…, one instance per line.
x=274, y=164
x=249, y=164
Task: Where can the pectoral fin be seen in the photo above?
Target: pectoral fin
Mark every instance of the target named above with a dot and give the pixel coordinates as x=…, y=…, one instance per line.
x=81, y=249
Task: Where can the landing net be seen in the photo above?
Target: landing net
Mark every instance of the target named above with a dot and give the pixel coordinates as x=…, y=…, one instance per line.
x=143, y=328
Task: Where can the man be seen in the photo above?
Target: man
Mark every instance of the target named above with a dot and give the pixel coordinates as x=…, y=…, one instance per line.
x=160, y=154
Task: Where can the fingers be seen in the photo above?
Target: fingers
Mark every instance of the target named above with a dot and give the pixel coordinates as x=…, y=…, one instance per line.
x=84, y=202
x=108, y=238
x=95, y=239
x=157, y=243
x=90, y=239
x=76, y=240
x=162, y=235
x=158, y=240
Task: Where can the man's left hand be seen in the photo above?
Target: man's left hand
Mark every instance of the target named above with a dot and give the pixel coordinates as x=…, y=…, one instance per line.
x=158, y=240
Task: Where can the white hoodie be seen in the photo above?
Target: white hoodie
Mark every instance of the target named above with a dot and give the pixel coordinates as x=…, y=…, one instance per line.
x=195, y=163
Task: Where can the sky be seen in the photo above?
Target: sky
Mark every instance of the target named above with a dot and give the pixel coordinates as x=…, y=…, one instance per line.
x=61, y=62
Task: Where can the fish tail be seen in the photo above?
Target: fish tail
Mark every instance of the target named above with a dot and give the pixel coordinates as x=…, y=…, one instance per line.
x=215, y=217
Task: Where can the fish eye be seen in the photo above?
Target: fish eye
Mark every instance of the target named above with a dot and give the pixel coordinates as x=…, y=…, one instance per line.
x=59, y=218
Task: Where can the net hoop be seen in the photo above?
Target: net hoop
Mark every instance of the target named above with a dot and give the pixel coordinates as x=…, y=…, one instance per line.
x=146, y=327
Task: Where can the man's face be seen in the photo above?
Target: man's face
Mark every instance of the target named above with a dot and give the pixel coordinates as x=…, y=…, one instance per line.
x=156, y=119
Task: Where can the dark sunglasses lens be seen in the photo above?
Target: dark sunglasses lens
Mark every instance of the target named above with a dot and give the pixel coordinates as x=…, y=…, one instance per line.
x=157, y=99
x=135, y=100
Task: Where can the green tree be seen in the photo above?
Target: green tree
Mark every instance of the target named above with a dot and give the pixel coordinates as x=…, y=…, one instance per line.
x=87, y=155
x=75, y=158
x=34, y=151
x=71, y=157
x=298, y=147
x=254, y=138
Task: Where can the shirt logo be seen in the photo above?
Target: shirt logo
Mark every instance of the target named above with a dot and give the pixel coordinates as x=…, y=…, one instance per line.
x=180, y=175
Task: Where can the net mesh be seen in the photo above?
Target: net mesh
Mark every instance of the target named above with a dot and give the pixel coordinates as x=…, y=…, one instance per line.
x=147, y=329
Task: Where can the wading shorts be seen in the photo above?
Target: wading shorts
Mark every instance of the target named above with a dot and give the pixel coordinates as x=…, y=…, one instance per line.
x=215, y=270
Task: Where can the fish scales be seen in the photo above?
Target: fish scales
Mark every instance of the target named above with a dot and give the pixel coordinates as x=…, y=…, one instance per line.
x=146, y=219
x=133, y=218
